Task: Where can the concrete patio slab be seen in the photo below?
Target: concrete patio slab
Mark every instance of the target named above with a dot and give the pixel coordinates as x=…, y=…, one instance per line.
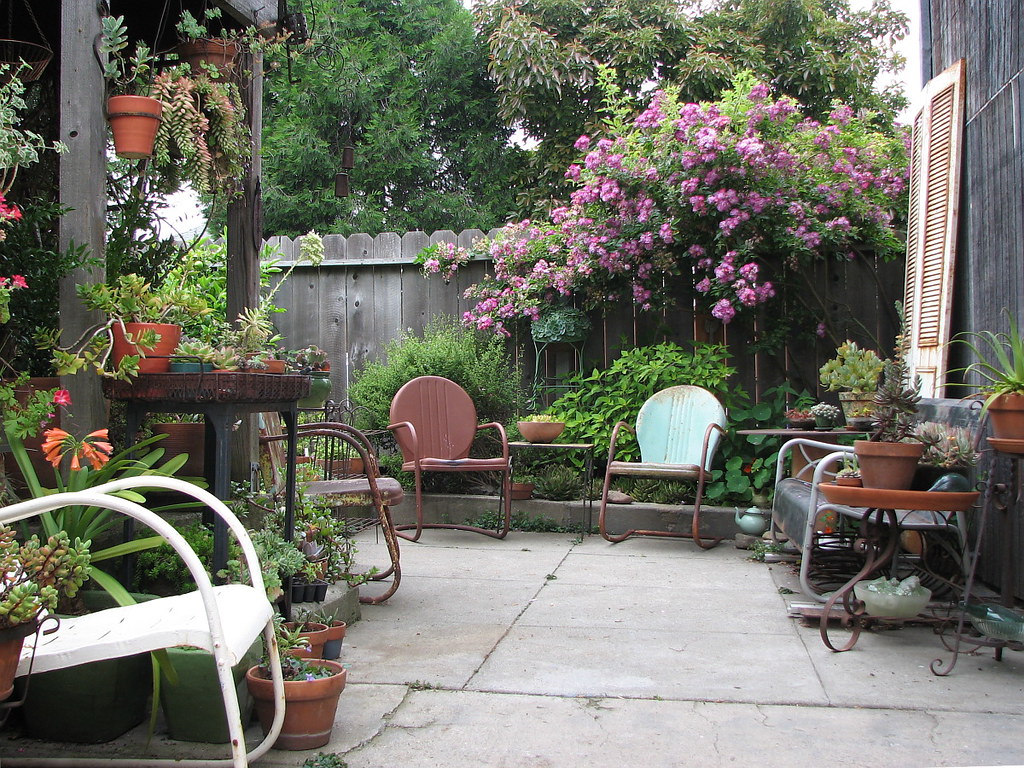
x=545, y=650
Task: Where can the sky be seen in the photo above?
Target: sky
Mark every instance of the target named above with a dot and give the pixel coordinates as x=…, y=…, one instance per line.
x=184, y=214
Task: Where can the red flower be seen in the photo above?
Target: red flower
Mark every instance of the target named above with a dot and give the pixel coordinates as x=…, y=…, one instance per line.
x=62, y=397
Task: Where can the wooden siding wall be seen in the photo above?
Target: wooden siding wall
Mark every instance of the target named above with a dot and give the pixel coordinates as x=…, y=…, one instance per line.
x=368, y=291
x=990, y=271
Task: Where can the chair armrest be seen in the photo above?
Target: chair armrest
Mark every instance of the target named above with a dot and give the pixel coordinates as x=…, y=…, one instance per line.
x=615, y=437
x=801, y=444
x=704, y=453
x=501, y=433
x=413, y=439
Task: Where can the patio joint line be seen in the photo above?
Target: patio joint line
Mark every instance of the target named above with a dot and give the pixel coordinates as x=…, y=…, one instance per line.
x=572, y=545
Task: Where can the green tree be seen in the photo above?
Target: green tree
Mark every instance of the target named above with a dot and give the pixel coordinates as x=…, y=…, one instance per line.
x=545, y=56
x=407, y=86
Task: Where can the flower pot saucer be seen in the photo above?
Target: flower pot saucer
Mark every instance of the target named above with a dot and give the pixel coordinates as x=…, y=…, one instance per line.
x=886, y=498
x=1007, y=444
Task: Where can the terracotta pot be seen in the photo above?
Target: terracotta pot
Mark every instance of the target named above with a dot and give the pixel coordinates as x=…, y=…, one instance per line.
x=887, y=465
x=182, y=438
x=540, y=431
x=521, y=491
x=315, y=634
x=11, y=641
x=850, y=482
x=134, y=121
x=1006, y=414
x=170, y=335
x=310, y=706
x=274, y=366
x=335, y=639
x=221, y=54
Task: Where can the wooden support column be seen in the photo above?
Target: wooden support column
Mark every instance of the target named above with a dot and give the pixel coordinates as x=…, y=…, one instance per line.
x=245, y=233
x=82, y=189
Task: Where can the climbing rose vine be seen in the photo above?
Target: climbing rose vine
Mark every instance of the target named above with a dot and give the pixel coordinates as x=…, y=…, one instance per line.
x=727, y=200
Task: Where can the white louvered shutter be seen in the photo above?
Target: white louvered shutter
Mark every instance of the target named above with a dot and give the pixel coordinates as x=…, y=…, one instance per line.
x=936, y=148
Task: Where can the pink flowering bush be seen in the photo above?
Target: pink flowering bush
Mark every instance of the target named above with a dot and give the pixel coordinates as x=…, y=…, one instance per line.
x=443, y=259
x=727, y=201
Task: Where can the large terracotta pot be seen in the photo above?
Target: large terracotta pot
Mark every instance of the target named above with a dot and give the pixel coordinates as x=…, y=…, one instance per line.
x=1006, y=414
x=158, y=356
x=134, y=121
x=310, y=706
x=887, y=465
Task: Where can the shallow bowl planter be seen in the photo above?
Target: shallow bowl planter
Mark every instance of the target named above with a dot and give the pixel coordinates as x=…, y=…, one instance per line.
x=540, y=431
x=891, y=606
x=522, y=491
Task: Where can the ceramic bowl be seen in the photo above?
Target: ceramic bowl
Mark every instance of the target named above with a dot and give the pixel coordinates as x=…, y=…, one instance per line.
x=891, y=606
x=540, y=431
x=996, y=621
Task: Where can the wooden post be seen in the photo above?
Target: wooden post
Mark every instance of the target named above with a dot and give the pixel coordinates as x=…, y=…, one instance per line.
x=245, y=234
x=82, y=189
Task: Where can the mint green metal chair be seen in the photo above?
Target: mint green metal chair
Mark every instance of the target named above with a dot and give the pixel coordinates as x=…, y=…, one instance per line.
x=678, y=430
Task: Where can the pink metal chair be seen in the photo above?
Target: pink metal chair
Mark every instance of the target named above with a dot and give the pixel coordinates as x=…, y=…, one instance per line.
x=434, y=422
x=678, y=430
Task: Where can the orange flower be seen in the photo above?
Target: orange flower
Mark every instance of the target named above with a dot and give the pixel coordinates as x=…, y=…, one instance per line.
x=94, y=448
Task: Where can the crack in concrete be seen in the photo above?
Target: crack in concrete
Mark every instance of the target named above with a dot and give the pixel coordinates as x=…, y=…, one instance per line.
x=546, y=579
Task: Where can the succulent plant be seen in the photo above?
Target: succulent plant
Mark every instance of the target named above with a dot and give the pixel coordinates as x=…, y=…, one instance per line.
x=37, y=574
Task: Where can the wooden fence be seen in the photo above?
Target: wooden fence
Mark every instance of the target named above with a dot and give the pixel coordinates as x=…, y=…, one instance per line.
x=368, y=290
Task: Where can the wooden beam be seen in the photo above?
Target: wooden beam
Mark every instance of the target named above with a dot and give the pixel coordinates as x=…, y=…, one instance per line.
x=82, y=188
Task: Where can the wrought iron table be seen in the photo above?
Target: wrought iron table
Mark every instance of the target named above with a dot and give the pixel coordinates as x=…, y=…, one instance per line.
x=220, y=398
x=884, y=515
x=586, y=478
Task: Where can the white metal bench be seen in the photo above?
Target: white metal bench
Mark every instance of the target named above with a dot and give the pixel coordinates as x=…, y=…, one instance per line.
x=224, y=620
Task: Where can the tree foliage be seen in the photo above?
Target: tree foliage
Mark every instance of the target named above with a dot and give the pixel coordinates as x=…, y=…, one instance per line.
x=545, y=56
x=407, y=86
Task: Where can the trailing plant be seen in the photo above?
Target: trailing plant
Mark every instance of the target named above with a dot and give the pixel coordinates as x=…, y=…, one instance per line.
x=38, y=573
x=478, y=362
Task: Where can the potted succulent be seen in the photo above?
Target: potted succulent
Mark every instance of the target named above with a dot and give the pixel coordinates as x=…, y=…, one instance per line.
x=140, y=331
x=133, y=113
x=826, y=416
x=854, y=373
x=849, y=474
x=889, y=458
x=541, y=427
x=193, y=357
x=312, y=361
x=949, y=453
x=1000, y=366
x=560, y=322
x=36, y=575
x=799, y=418
x=311, y=691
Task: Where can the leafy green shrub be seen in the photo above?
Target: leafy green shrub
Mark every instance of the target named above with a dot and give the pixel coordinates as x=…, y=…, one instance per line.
x=478, y=362
x=653, y=491
x=615, y=394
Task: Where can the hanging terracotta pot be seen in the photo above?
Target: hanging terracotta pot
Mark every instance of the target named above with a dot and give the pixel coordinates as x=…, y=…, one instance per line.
x=217, y=52
x=157, y=358
x=134, y=121
x=309, y=709
x=887, y=465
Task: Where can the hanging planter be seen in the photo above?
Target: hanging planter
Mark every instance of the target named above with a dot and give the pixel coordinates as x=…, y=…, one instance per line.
x=25, y=60
x=203, y=53
x=134, y=121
